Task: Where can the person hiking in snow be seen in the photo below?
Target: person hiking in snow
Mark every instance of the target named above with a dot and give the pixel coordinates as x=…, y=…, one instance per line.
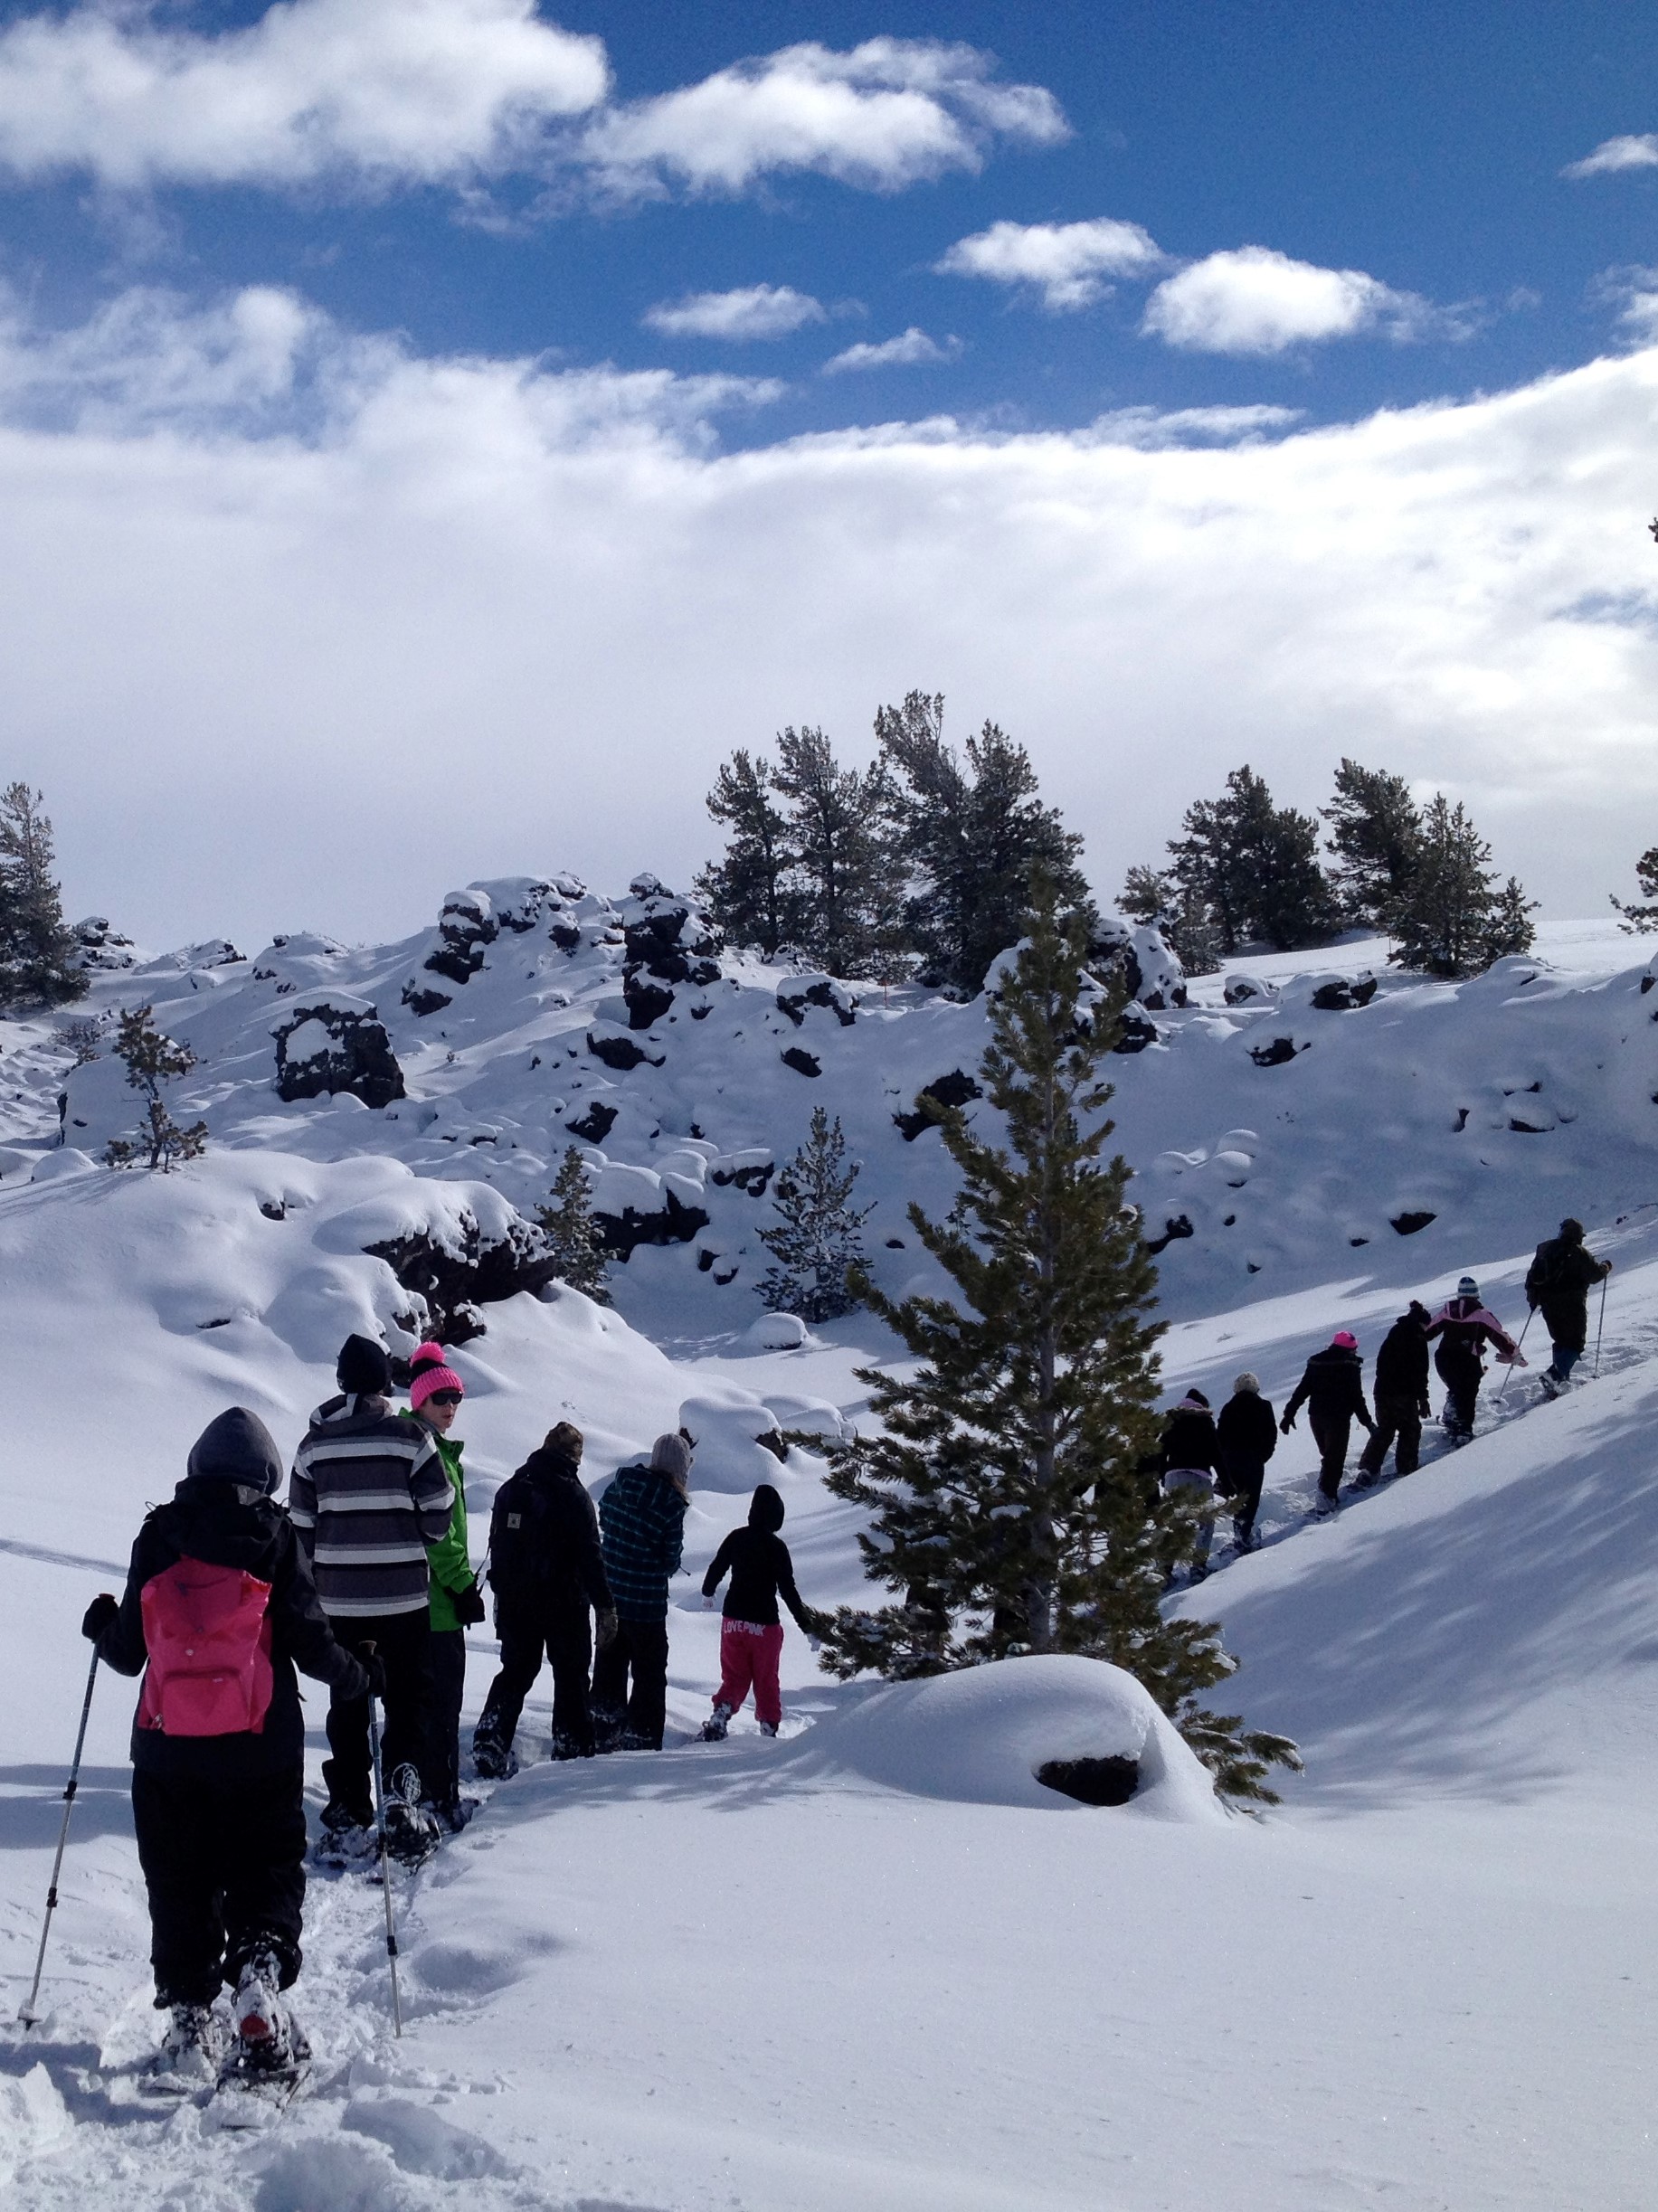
x=456, y=1603
x=1188, y=1463
x=1464, y=1327
x=1401, y=1398
x=1245, y=1437
x=368, y=1494
x=1558, y=1285
x=547, y=1570
x=642, y=1517
x=757, y=1560
x=1332, y=1389
x=218, y=1757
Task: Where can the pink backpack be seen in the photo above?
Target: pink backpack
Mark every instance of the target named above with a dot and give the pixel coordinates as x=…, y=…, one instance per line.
x=207, y=1633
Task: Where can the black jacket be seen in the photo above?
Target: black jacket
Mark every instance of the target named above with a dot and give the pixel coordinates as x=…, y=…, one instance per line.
x=226, y=1522
x=1401, y=1364
x=1332, y=1385
x=1188, y=1441
x=757, y=1560
x=545, y=1557
x=1558, y=1282
x=1248, y=1427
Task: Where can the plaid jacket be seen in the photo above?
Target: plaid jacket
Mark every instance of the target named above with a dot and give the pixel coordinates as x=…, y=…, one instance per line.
x=642, y=1515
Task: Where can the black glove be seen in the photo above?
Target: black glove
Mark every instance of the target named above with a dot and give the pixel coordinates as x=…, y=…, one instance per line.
x=103, y=1610
x=468, y=1605
x=1286, y=1424
x=374, y=1667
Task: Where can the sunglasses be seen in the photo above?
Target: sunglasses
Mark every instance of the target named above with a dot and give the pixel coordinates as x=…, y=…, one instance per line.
x=444, y=1397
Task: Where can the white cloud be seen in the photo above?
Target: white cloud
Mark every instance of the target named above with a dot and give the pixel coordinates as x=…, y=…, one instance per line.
x=1154, y=428
x=1634, y=151
x=266, y=581
x=410, y=91
x=1253, y=300
x=752, y=311
x=1633, y=291
x=912, y=349
x=891, y=112
x=1066, y=261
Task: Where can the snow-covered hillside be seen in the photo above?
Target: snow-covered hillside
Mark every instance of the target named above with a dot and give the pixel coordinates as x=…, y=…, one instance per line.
x=875, y=1964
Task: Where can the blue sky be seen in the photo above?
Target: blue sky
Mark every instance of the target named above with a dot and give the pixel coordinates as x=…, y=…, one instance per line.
x=604, y=388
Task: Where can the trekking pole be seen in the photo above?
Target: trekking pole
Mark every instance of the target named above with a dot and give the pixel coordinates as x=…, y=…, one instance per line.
x=27, y=2015
x=1600, y=1330
x=1513, y=1363
x=385, y=1866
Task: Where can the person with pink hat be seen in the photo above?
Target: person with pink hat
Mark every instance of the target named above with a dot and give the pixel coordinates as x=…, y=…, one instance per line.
x=1332, y=1390
x=455, y=1602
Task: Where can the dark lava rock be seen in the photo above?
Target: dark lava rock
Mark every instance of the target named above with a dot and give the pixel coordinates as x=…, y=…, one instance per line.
x=455, y=1283
x=802, y=1062
x=952, y=1090
x=794, y=995
x=1134, y=1032
x=670, y=937
x=1091, y=1781
x=357, y=1056
x=1244, y=991
x=1274, y=1055
x=1340, y=995
x=419, y=1001
x=647, y=1002
x=619, y=1052
x=596, y=1124
x=1411, y=1219
x=1174, y=1228
x=676, y=1224
x=752, y=1175
x=466, y=924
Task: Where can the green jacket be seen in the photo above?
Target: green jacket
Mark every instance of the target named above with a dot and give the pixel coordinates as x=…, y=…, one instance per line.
x=449, y=1560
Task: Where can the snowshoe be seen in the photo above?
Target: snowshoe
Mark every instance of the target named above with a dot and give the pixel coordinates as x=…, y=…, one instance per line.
x=268, y=2058
x=190, y=2057
x=768, y=1727
x=412, y=1833
x=347, y=1837
x=492, y=1761
x=713, y=1730
x=1367, y=1477
x=452, y=1819
x=1324, y=1506
x=1553, y=1384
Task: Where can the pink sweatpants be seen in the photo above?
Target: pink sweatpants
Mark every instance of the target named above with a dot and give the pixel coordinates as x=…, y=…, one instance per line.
x=749, y=1653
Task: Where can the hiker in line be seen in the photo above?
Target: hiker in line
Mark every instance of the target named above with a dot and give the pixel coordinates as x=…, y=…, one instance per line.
x=1401, y=1398
x=1188, y=1464
x=218, y=1610
x=368, y=1495
x=547, y=1572
x=1464, y=1327
x=750, y=1633
x=642, y=1515
x=1245, y=1437
x=1332, y=1389
x=1558, y=1285
x=455, y=1602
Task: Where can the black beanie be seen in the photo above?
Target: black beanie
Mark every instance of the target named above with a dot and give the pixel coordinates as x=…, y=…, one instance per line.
x=1572, y=1231
x=365, y=1368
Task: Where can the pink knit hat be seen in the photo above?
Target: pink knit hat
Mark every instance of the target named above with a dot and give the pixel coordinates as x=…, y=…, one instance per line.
x=427, y=1372
x=1343, y=1336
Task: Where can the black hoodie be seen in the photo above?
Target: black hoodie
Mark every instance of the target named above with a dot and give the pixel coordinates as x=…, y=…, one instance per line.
x=544, y=1554
x=757, y=1560
x=222, y=1514
x=1401, y=1364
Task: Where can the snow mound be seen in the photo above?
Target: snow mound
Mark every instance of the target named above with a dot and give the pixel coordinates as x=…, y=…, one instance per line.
x=730, y=1455
x=33, y=2117
x=978, y=1737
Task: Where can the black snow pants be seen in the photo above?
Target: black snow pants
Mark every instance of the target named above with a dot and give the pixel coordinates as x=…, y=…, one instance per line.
x=440, y=1769
x=1461, y=1372
x=1330, y=1434
x=224, y=1866
x=566, y=1638
x=1241, y=1477
x=639, y=1648
x=404, y=1641
x=1398, y=1425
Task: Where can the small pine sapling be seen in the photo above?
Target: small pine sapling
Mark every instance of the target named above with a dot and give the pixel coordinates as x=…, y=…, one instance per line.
x=566, y=1221
x=816, y=1243
x=1639, y=918
x=1007, y=1475
x=81, y=1039
x=154, y=1059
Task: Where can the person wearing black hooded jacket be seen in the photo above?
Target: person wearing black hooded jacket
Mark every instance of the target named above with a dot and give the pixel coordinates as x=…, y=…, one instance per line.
x=221, y=1817
x=1402, y=1402
x=547, y=1570
x=1332, y=1390
x=757, y=1560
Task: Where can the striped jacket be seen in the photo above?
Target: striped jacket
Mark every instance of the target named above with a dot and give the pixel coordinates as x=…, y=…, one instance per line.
x=642, y=1515
x=368, y=1495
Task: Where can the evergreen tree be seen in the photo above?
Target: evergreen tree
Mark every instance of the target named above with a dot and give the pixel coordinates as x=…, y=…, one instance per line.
x=750, y=893
x=1453, y=920
x=1376, y=839
x=1639, y=920
x=1184, y=917
x=152, y=1060
x=81, y=1039
x=37, y=953
x=969, y=833
x=1005, y=1483
x=567, y=1220
x=1255, y=866
x=847, y=873
x=816, y=1243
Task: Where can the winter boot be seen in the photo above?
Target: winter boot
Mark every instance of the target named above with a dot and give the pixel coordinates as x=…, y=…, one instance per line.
x=1553, y=1384
x=267, y=2040
x=713, y=1730
x=768, y=1727
x=453, y=1818
x=190, y=2055
x=347, y=1835
x=412, y=1834
x=492, y=1761
x=1367, y=1477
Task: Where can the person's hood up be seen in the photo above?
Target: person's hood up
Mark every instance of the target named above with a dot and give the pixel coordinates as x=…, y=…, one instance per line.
x=766, y=1509
x=236, y=1447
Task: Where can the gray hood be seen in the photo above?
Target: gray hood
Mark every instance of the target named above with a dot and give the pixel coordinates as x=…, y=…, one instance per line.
x=237, y=1447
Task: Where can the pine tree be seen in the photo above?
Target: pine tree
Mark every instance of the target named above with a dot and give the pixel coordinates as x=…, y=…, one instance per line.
x=567, y=1220
x=1255, y=866
x=1184, y=917
x=815, y=1244
x=970, y=835
x=1638, y=919
x=152, y=1060
x=37, y=953
x=81, y=1039
x=750, y=893
x=1453, y=921
x=1508, y=926
x=1005, y=1483
x=847, y=875
x=1376, y=840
